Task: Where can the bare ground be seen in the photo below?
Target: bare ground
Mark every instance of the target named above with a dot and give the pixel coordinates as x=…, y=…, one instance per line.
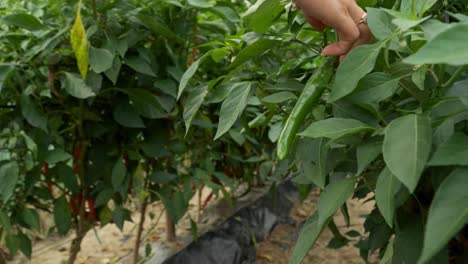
x=109, y=245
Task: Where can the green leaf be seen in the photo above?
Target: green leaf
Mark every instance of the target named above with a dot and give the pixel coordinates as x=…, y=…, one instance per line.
x=194, y=101
x=447, y=215
x=408, y=240
x=113, y=72
x=4, y=73
x=79, y=43
x=9, y=175
x=188, y=74
x=12, y=243
x=161, y=177
x=452, y=152
x=422, y=6
x=175, y=204
x=56, y=155
x=232, y=108
x=310, y=232
x=31, y=218
x=127, y=116
x=334, y=128
x=32, y=114
x=388, y=255
x=315, y=169
x=62, y=215
x=333, y=197
x=24, y=244
x=380, y=23
x=262, y=14
x=76, y=87
x=405, y=23
x=25, y=21
x=385, y=191
x=157, y=26
x=100, y=60
x=433, y=28
x=356, y=65
x=366, y=153
x=139, y=65
x=200, y=3
x=67, y=176
x=145, y=103
x=411, y=135
x=103, y=197
x=419, y=77
x=120, y=215
x=374, y=88
x=118, y=174
x=441, y=48
x=5, y=222
x=254, y=50
x=278, y=98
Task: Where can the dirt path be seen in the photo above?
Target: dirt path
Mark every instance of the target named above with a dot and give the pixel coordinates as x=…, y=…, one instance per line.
x=278, y=248
x=109, y=245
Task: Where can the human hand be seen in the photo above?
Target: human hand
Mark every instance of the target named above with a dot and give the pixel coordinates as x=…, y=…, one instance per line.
x=342, y=15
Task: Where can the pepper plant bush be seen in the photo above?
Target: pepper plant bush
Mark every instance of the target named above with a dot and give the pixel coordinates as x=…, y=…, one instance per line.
x=391, y=125
x=89, y=120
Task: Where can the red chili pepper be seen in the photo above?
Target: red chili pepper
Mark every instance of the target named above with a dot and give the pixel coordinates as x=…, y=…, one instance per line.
x=77, y=152
x=235, y=171
x=79, y=199
x=45, y=168
x=215, y=180
x=207, y=200
x=49, y=186
x=73, y=207
x=76, y=168
x=227, y=172
x=92, y=210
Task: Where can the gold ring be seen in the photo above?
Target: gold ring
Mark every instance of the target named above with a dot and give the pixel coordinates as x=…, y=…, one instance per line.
x=363, y=19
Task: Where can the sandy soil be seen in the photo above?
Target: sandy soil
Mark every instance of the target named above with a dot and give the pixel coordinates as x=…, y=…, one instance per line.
x=109, y=245
x=279, y=246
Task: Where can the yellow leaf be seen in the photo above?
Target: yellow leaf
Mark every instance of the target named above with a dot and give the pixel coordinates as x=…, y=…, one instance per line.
x=79, y=43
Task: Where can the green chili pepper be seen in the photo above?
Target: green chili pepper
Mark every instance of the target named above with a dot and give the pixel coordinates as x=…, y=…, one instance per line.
x=309, y=96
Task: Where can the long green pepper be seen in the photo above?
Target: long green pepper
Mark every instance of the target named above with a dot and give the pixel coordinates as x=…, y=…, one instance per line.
x=309, y=96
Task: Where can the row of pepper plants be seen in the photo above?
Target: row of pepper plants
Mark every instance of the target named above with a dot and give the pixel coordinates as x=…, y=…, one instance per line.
x=388, y=124
x=90, y=122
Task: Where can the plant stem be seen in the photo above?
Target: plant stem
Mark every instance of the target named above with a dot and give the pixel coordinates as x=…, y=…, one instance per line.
x=454, y=77
x=136, y=249
x=170, y=228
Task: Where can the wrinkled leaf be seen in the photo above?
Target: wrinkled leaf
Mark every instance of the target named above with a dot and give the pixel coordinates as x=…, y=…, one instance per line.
x=386, y=189
x=447, y=215
x=334, y=128
x=333, y=197
x=406, y=148
x=9, y=175
x=356, y=65
x=76, y=87
x=232, y=108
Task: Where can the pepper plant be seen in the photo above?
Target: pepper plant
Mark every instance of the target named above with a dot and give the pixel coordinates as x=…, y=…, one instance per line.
x=388, y=124
x=89, y=117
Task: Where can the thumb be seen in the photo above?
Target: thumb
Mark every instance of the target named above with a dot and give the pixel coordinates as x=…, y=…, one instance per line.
x=348, y=33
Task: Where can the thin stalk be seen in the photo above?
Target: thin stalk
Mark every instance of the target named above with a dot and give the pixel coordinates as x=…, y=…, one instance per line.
x=170, y=228
x=454, y=77
x=136, y=249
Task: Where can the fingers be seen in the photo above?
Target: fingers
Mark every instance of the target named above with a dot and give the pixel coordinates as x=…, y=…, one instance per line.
x=348, y=33
x=315, y=23
x=348, y=39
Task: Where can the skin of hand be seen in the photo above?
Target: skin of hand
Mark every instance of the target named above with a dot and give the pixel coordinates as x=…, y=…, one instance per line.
x=343, y=16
